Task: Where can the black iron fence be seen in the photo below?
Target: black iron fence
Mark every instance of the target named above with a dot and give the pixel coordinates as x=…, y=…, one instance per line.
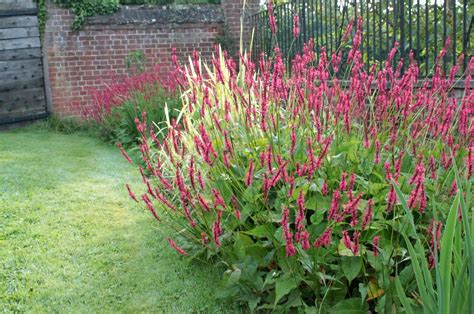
x=421, y=26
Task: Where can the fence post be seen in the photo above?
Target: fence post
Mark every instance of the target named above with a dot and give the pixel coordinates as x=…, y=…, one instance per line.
x=402, y=32
x=303, y=21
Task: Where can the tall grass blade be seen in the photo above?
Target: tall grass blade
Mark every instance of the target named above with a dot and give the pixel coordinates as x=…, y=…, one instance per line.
x=458, y=302
x=468, y=232
x=422, y=274
x=445, y=266
x=403, y=298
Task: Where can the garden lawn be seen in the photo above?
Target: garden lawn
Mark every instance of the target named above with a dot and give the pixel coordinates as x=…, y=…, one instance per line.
x=71, y=240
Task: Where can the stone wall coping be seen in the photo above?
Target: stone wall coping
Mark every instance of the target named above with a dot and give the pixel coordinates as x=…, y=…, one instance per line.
x=149, y=15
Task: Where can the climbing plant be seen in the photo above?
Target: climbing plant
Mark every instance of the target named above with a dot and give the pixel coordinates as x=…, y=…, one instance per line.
x=83, y=9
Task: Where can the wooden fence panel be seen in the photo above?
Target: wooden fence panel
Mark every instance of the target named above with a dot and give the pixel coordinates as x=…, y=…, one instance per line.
x=22, y=93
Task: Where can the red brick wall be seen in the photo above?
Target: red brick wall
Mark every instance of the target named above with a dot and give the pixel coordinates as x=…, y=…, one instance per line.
x=81, y=62
x=235, y=12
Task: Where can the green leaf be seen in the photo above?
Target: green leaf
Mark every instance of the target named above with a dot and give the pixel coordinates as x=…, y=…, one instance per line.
x=420, y=266
x=363, y=290
x=262, y=231
x=310, y=203
x=351, y=267
x=253, y=302
x=403, y=298
x=317, y=217
x=283, y=286
x=375, y=188
x=257, y=252
x=350, y=306
x=447, y=253
x=234, y=277
x=241, y=242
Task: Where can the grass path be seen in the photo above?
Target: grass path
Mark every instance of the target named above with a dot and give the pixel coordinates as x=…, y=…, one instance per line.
x=71, y=240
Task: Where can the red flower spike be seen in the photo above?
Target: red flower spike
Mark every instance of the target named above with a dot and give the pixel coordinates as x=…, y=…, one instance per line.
x=176, y=247
x=124, y=154
x=249, y=175
x=150, y=207
x=290, y=248
x=324, y=239
x=375, y=245
x=219, y=201
x=217, y=228
x=131, y=194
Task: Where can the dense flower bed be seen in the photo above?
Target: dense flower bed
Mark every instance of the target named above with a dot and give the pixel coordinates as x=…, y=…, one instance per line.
x=118, y=103
x=311, y=193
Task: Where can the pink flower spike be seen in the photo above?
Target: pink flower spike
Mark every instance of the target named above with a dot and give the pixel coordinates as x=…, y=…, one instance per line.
x=290, y=248
x=176, y=247
x=219, y=201
x=130, y=192
x=296, y=30
x=150, y=206
x=249, y=175
x=377, y=152
x=324, y=239
x=124, y=154
x=375, y=245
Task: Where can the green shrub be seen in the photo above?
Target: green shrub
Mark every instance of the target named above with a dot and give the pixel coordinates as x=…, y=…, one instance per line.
x=295, y=182
x=141, y=2
x=84, y=9
x=119, y=104
x=66, y=125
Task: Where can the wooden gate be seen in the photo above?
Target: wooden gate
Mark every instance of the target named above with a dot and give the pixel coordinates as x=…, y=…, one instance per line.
x=22, y=92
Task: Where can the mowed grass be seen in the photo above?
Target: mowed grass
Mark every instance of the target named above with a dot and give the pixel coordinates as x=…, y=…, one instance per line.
x=71, y=240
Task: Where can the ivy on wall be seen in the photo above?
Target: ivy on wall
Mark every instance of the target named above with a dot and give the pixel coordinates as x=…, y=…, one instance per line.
x=82, y=10
x=42, y=15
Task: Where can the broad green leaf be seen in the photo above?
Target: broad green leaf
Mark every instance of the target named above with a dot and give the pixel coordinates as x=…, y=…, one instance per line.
x=351, y=267
x=283, y=286
x=234, y=277
x=241, y=242
x=262, y=231
x=375, y=188
x=311, y=203
x=257, y=252
x=317, y=217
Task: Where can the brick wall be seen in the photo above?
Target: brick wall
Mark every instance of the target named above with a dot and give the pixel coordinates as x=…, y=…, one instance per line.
x=81, y=62
x=235, y=12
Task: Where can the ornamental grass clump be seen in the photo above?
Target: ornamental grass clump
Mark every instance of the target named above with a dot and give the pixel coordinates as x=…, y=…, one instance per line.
x=297, y=182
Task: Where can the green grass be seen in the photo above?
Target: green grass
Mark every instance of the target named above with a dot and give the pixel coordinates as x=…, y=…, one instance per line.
x=72, y=241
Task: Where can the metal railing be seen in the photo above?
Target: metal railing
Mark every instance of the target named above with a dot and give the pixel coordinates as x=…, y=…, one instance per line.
x=421, y=26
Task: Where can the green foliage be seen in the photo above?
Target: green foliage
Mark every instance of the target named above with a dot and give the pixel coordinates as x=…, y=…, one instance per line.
x=42, y=15
x=164, y=2
x=120, y=127
x=227, y=43
x=69, y=239
x=65, y=125
x=83, y=9
x=454, y=264
x=274, y=174
x=149, y=2
x=135, y=62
